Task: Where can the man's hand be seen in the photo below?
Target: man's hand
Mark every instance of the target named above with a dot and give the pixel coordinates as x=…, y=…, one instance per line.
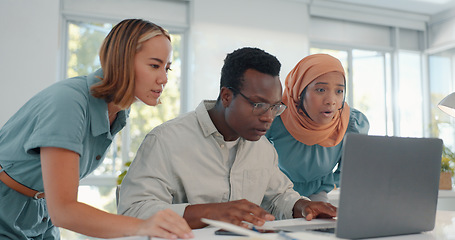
x=309, y=210
x=233, y=212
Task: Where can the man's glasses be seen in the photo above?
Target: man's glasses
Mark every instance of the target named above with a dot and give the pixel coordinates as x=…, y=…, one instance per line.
x=261, y=108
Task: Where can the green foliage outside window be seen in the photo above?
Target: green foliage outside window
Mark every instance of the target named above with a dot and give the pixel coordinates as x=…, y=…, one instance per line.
x=448, y=161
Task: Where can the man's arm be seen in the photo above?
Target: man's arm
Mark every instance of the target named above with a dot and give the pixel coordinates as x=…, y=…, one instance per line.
x=307, y=209
x=234, y=212
x=147, y=187
x=280, y=197
x=284, y=202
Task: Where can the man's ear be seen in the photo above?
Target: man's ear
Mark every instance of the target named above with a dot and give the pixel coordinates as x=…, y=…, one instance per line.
x=226, y=96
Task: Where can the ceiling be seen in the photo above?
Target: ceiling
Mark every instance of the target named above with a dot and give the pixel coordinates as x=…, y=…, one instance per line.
x=427, y=7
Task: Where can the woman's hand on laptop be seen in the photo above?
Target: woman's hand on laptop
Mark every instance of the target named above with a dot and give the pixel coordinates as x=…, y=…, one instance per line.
x=309, y=210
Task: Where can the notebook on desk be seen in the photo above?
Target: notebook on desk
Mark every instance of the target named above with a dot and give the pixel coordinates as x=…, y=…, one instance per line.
x=389, y=186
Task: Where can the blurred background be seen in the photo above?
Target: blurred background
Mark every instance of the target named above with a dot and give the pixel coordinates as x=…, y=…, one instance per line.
x=399, y=57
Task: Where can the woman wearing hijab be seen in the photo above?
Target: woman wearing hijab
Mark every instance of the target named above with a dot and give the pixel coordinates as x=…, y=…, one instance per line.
x=308, y=134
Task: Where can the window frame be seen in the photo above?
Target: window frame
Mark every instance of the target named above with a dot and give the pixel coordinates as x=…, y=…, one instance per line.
x=392, y=120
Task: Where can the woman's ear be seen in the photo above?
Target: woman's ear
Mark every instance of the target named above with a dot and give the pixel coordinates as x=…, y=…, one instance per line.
x=226, y=96
x=301, y=97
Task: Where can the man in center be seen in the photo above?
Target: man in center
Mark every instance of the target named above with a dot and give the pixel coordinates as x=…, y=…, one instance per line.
x=215, y=162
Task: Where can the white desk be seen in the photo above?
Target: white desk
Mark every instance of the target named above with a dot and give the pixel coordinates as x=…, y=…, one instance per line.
x=446, y=199
x=444, y=230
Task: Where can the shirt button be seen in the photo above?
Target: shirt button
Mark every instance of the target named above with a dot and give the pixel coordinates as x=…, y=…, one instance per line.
x=98, y=157
x=44, y=219
x=222, y=145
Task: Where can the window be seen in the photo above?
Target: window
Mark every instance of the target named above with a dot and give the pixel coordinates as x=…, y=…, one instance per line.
x=384, y=72
x=98, y=189
x=383, y=58
x=442, y=81
x=388, y=104
x=410, y=94
x=370, y=92
x=367, y=77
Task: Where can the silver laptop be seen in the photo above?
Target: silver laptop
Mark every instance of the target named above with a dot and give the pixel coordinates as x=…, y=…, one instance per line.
x=389, y=186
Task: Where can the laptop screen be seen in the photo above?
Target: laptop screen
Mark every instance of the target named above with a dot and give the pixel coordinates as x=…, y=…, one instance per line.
x=389, y=185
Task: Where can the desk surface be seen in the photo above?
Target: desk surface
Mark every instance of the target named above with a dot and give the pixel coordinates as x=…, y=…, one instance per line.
x=444, y=230
x=446, y=199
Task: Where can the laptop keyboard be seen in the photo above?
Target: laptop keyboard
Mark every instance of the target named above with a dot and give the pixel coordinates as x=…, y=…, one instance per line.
x=324, y=230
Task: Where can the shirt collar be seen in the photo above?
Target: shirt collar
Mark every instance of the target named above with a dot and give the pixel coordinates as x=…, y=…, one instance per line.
x=99, y=117
x=202, y=114
x=205, y=122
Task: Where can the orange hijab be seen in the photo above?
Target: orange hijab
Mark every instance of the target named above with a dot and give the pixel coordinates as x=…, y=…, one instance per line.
x=299, y=125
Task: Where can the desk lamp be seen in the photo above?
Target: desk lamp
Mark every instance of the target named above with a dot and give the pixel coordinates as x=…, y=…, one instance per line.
x=447, y=104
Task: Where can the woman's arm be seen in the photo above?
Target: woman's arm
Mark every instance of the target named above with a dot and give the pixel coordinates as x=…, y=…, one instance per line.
x=60, y=169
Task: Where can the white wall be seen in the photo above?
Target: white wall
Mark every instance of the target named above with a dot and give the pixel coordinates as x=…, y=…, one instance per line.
x=30, y=44
x=219, y=27
x=442, y=31
x=29, y=49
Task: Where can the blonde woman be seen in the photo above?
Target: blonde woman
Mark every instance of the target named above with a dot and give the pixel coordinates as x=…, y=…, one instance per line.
x=61, y=135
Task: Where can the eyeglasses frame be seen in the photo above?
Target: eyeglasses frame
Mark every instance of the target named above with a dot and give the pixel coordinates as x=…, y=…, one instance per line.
x=255, y=104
